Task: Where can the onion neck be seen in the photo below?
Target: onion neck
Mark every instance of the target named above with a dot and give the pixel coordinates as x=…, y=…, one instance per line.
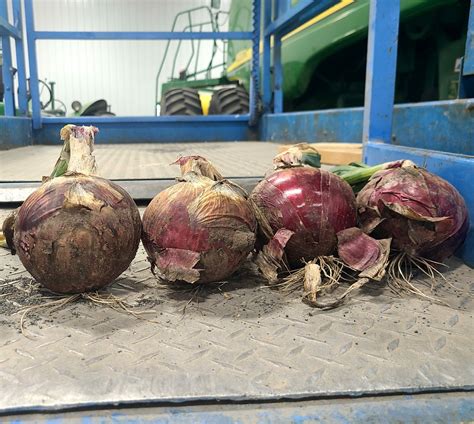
x=198, y=165
x=360, y=174
x=297, y=155
x=76, y=155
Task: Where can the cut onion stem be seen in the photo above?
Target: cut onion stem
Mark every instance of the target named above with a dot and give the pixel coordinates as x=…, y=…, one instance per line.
x=358, y=174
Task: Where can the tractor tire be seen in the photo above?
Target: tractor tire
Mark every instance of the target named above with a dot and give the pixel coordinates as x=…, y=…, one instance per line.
x=181, y=101
x=229, y=101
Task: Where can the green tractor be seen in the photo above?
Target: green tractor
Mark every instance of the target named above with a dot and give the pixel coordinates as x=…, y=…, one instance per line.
x=324, y=60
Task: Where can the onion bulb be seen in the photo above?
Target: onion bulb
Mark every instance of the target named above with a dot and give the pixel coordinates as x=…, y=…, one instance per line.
x=423, y=214
x=77, y=232
x=312, y=203
x=199, y=230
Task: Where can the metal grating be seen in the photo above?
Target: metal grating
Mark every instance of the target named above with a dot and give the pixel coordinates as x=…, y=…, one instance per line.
x=130, y=161
x=238, y=340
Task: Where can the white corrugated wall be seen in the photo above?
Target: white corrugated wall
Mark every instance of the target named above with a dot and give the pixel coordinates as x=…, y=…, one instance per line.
x=122, y=72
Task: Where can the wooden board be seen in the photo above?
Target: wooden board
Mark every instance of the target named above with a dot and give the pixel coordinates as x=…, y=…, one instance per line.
x=335, y=153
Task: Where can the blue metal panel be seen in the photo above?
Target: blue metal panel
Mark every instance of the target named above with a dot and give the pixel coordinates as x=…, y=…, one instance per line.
x=255, y=73
x=134, y=35
x=92, y=120
x=445, y=126
x=457, y=169
x=33, y=64
x=468, y=66
x=8, y=30
x=9, y=98
x=15, y=132
x=153, y=129
x=298, y=14
x=20, y=61
x=338, y=125
x=381, y=69
x=266, y=58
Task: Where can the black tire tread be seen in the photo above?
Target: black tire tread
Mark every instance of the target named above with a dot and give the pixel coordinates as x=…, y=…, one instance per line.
x=181, y=101
x=232, y=100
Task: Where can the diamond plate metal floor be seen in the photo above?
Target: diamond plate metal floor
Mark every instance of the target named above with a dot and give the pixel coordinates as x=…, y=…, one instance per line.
x=238, y=340
x=127, y=161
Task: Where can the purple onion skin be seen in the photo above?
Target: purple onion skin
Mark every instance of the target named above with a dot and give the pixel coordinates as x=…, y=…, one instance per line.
x=421, y=200
x=70, y=247
x=198, y=232
x=313, y=203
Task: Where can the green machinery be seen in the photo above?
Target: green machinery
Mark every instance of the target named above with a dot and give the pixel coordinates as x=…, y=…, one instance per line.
x=324, y=60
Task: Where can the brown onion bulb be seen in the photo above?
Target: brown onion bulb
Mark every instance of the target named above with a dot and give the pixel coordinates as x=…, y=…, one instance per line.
x=77, y=232
x=198, y=230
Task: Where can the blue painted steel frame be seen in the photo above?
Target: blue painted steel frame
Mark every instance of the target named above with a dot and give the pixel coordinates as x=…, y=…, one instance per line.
x=33, y=36
x=146, y=129
x=140, y=35
x=381, y=70
x=7, y=29
x=7, y=32
x=291, y=16
x=33, y=65
x=14, y=31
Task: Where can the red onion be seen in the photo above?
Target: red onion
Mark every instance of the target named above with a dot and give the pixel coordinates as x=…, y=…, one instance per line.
x=312, y=203
x=77, y=232
x=198, y=230
x=423, y=214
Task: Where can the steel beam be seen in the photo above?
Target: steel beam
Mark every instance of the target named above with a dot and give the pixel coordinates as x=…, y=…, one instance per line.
x=381, y=70
x=8, y=30
x=294, y=16
x=7, y=68
x=140, y=35
x=146, y=129
x=33, y=64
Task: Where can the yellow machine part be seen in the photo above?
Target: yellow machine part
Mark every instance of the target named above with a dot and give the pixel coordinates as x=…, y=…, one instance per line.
x=205, y=98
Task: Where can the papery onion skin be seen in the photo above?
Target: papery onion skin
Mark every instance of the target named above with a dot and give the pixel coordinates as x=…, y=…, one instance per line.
x=313, y=203
x=77, y=233
x=198, y=231
x=423, y=214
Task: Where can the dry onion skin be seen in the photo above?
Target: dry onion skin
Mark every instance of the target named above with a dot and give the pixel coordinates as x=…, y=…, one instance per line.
x=425, y=216
x=199, y=230
x=77, y=232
